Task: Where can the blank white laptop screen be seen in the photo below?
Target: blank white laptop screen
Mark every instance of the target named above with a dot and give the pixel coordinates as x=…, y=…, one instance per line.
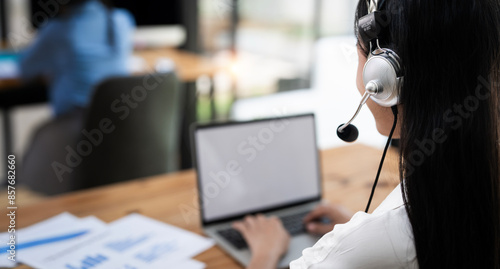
x=255, y=166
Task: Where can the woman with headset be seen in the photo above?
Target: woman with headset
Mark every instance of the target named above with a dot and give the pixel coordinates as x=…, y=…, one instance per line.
x=438, y=67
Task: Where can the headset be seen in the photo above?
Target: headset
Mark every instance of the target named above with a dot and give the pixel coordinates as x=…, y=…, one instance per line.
x=382, y=76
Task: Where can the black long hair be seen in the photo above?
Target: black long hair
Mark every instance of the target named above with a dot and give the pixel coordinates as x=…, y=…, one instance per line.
x=449, y=129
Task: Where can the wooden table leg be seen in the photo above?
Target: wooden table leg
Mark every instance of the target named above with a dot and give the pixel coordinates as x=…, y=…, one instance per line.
x=213, y=110
x=7, y=135
x=189, y=117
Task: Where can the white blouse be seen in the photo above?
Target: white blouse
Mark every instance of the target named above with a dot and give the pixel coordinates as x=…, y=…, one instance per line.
x=383, y=239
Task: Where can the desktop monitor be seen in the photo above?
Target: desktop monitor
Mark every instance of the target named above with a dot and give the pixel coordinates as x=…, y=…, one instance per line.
x=159, y=23
x=145, y=12
x=153, y=12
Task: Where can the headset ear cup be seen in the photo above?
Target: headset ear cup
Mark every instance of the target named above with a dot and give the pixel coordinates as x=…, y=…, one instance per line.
x=383, y=68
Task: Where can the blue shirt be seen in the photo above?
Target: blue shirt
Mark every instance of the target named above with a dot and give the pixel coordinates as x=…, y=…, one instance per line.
x=74, y=53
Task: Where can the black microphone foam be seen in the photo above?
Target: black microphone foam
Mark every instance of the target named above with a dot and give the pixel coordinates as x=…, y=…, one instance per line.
x=349, y=134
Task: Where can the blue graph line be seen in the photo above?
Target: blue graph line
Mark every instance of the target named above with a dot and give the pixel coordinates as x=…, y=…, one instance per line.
x=44, y=241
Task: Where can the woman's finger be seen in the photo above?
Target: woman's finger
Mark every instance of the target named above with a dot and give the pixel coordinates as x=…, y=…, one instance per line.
x=318, y=228
x=239, y=226
x=260, y=218
x=318, y=212
x=250, y=221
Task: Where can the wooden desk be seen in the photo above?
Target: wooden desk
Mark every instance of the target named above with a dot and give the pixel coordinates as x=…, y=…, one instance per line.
x=7, y=83
x=348, y=173
x=189, y=66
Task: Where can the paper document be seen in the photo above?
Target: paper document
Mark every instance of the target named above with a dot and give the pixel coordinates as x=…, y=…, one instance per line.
x=132, y=242
x=61, y=224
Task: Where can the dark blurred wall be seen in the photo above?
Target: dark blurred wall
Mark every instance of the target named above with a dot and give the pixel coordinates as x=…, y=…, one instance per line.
x=190, y=20
x=3, y=26
x=154, y=12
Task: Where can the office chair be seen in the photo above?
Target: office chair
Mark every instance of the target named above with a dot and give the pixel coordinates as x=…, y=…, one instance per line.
x=139, y=121
x=130, y=130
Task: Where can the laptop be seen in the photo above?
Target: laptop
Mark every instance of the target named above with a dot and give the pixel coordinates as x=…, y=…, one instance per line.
x=268, y=166
x=9, y=65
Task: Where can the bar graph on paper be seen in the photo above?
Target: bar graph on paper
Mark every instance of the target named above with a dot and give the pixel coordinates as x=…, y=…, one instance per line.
x=95, y=261
x=125, y=244
x=89, y=262
x=157, y=251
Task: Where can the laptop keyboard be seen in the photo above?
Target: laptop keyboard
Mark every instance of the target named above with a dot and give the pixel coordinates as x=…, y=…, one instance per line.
x=292, y=223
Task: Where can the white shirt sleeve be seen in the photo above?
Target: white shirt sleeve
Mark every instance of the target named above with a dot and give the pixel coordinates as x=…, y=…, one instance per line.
x=379, y=240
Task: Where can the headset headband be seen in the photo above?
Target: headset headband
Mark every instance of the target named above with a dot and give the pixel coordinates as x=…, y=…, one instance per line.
x=372, y=5
x=369, y=26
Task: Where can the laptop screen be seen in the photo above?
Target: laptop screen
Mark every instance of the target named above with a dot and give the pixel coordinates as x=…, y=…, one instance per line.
x=9, y=65
x=256, y=166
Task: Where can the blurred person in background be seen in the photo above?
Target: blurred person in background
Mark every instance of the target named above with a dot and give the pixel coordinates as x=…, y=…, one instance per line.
x=85, y=43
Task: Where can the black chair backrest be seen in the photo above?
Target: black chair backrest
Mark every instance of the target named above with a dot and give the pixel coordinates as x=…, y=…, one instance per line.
x=133, y=129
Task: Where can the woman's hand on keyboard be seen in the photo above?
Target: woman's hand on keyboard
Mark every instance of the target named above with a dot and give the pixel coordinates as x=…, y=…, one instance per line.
x=266, y=237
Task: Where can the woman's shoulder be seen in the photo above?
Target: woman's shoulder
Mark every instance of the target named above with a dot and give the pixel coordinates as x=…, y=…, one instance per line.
x=382, y=240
